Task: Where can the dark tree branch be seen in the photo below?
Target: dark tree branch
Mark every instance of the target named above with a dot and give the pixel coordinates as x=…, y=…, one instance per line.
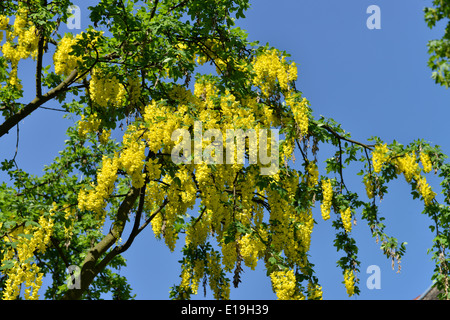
x=334, y=133
x=118, y=250
x=39, y=65
x=9, y=123
x=154, y=9
x=90, y=269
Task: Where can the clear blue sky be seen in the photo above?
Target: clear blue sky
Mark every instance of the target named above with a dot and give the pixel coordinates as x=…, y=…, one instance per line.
x=373, y=82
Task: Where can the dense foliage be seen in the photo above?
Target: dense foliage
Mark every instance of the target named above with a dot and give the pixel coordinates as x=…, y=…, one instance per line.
x=132, y=80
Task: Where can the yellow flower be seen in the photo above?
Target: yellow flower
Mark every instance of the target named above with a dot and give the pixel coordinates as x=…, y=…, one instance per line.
x=4, y=20
x=132, y=159
x=379, y=157
x=284, y=285
x=106, y=90
x=409, y=166
x=29, y=240
x=346, y=216
x=369, y=186
x=327, y=190
x=349, y=282
x=251, y=249
x=425, y=190
x=314, y=291
x=88, y=125
x=270, y=68
x=63, y=61
x=426, y=162
x=95, y=199
x=313, y=174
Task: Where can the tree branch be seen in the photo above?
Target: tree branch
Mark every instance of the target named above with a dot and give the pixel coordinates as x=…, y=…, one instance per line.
x=334, y=133
x=118, y=250
x=89, y=269
x=9, y=123
x=154, y=10
x=39, y=65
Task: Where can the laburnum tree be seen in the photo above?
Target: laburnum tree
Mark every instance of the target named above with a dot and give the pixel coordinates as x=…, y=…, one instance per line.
x=132, y=79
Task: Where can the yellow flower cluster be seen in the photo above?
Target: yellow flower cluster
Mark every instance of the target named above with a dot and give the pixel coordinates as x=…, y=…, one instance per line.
x=426, y=162
x=197, y=234
x=292, y=231
x=349, y=282
x=298, y=239
x=217, y=283
x=346, y=216
x=194, y=271
x=271, y=68
x=132, y=159
x=314, y=292
x=63, y=61
x=226, y=193
x=409, y=166
x=26, y=34
x=29, y=240
x=313, y=174
x=154, y=198
x=188, y=188
x=88, y=125
x=94, y=199
x=379, y=157
x=369, y=186
x=327, y=191
x=4, y=21
x=425, y=190
x=229, y=255
x=284, y=285
x=300, y=111
x=191, y=276
x=252, y=249
x=103, y=138
x=106, y=90
x=287, y=150
x=162, y=121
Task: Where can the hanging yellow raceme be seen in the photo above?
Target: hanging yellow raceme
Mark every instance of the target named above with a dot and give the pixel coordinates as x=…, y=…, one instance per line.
x=314, y=291
x=29, y=240
x=284, y=285
x=21, y=43
x=426, y=162
x=349, y=282
x=95, y=199
x=368, y=183
x=252, y=249
x=63, y=61
x=313, y=174
x=346, y=216
x=379, y=157
x=425, y=190
x=106, y=90
x=408, y=165
x=327, y=190
x=271, y=69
